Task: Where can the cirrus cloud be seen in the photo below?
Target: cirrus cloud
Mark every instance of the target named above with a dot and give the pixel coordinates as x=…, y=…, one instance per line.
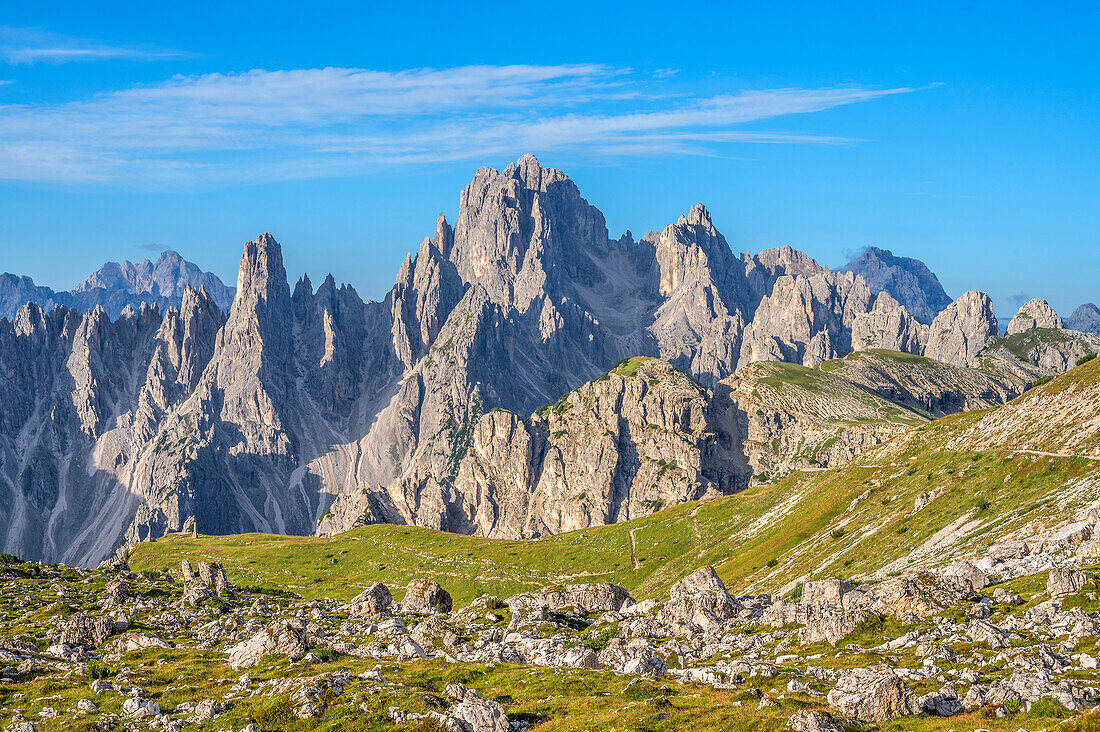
x=218, y=129
x=33, y=45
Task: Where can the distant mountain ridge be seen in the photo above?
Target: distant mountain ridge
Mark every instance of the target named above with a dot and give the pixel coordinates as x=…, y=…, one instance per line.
x=116, y=286
x=1086, y=318
x=908, y=280
x=168, y=276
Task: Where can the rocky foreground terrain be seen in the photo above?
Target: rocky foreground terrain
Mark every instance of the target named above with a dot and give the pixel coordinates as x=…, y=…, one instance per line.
x=111, y=649
x=945, y=579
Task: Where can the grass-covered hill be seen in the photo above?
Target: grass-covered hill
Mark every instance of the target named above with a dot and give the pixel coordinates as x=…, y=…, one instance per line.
x=1032, y=463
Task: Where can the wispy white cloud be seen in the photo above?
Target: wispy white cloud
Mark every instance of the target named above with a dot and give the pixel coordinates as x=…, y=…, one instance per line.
x=269, y=125
x=32, y=45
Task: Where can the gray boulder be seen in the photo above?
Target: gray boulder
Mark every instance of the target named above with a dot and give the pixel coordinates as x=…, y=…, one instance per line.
x=827, y=592
x=812, y=720
x=598, y=597
x=1065, y=581
x=874, y=694
x=285, y=638
x=86, y=631
x=424, y=596
x=700, y=599
x=373, y=602
x=943, y=703
x=474, y=714
x=967, y=575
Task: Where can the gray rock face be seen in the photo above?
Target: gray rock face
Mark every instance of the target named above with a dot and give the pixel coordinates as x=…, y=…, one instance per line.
x=888, y=325
x=1034, y=314
x=624, y=445
x=962, y=330
x=873, y=695
x=1086, y=319
x=908, y=281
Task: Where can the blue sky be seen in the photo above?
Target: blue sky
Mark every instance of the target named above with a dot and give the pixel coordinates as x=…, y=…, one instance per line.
x=961, y=133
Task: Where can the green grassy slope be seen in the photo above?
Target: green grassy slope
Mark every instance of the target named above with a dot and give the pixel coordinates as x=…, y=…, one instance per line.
x=816, y=392
x=856, y=521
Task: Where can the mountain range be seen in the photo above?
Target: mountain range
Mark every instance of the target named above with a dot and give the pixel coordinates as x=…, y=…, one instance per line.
x=526, y=375
x=115, y=286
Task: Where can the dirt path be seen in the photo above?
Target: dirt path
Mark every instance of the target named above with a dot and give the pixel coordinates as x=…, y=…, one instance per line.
x=1057, y=454
x=695, y=535
x=634, y=550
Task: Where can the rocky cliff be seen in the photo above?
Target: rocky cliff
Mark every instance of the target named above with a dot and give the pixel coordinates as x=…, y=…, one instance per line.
x=638, y=438
x=959, y=332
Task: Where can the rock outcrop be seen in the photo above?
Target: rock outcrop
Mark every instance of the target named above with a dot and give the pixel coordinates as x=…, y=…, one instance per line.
x=1034, y=314
x=701, y=600
x=959, y=333
x=873, y=695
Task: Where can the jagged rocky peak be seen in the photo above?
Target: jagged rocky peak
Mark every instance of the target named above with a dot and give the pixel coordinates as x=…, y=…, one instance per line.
x=526, y=231
x=261, y=278
x=962, y=330
x=691, y=252
x=426, y=290
x=908, y=280
x=1035, y=313
x=257, y=337
x=1086, y=319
